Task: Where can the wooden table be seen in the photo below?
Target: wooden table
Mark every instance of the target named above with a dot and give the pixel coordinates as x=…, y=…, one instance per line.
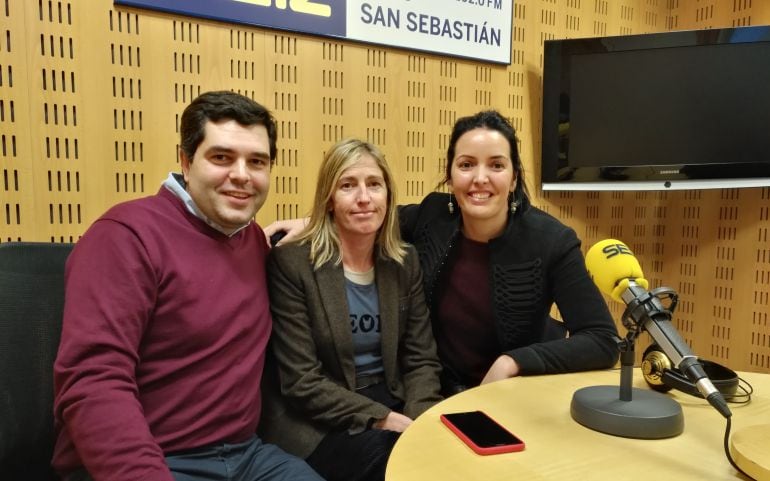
x=537, y=409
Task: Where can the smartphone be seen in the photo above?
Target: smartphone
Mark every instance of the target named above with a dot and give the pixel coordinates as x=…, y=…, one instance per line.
x=482, y=433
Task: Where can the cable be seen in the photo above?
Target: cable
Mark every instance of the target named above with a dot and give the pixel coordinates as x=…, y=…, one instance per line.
x=727, y=450
x=743, y=397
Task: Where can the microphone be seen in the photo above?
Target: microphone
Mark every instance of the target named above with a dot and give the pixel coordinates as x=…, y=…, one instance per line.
x=617, y=273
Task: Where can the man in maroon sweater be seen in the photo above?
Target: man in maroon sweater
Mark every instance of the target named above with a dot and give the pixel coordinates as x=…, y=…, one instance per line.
x=166, y=318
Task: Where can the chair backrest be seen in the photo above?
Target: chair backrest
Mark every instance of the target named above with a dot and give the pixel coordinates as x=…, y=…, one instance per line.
x=31, y=302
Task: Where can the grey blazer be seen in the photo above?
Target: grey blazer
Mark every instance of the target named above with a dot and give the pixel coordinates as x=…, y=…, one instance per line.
x=309, y=383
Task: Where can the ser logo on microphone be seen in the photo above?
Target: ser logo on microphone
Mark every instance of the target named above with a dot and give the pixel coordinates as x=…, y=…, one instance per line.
x=612, y=250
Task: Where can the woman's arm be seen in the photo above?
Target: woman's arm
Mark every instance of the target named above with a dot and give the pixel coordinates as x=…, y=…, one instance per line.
x=283, y=231
x=592, y=334
x=287, y=230
x=407, y=218
x=503, y=368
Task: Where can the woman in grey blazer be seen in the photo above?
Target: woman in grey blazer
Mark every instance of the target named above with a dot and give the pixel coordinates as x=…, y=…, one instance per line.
x=354, y=356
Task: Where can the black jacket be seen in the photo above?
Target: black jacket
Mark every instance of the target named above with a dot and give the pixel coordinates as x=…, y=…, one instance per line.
x=534, y=263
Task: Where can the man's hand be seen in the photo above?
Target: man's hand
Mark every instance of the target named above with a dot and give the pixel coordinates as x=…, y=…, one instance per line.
x=503, y=368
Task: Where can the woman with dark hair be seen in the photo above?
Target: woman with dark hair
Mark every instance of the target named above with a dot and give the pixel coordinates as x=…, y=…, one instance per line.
x=494, y=266
x=354, y=354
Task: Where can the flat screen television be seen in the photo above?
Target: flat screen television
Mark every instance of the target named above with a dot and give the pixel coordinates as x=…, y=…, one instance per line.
x=674, y=110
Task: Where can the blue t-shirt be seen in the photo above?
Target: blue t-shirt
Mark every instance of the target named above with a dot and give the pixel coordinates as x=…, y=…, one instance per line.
x=364, y=309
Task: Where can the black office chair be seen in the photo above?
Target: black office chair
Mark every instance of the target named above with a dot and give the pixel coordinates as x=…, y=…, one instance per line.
x=31, y=301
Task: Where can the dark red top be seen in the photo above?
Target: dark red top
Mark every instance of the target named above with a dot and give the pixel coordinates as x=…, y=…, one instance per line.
x=467, y=339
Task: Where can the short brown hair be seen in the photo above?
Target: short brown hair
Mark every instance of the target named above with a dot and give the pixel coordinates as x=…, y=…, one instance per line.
x=223, y=105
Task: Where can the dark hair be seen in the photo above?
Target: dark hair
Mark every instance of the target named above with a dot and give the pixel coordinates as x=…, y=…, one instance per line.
x=491, y=120
x=223, y=105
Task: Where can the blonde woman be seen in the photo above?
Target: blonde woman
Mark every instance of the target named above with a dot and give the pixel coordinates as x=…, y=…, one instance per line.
x=355, y=359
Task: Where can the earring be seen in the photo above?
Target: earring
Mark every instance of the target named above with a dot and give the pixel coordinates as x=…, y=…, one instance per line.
x=514, y=206
x=450, y=205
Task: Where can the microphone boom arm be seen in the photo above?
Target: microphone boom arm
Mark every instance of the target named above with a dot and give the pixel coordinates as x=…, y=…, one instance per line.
x=645, y=311
x=641, y=304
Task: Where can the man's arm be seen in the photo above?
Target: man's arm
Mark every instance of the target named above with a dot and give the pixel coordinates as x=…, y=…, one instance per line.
x=109, y=299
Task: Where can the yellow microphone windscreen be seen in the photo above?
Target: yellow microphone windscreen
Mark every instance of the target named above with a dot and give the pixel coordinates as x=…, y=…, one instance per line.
x=611, y=265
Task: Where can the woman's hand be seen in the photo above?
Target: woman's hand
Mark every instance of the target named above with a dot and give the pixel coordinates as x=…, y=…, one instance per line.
x=503, y=368
x=291, y=228
x=393, y=422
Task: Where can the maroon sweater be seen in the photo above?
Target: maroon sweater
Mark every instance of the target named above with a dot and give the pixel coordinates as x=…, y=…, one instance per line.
x=467, y=337
x=165, y=326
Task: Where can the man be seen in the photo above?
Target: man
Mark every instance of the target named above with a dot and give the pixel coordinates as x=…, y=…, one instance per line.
x=166, y=318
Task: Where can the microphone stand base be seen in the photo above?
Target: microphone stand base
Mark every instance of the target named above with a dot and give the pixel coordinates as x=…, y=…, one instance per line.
x=648, y=415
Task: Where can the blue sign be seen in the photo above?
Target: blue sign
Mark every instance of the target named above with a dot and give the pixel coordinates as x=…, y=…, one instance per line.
x=476, y=29
x=320, y=17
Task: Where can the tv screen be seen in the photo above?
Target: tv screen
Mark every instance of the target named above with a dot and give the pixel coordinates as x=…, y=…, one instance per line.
x=676, y=110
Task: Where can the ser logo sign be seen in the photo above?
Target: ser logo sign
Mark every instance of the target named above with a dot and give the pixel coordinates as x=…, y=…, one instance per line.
x=320, y=17
x=309, y=7
x=612, y=250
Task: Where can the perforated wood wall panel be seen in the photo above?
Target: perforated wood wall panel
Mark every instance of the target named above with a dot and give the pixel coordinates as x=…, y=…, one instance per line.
x=91, y=94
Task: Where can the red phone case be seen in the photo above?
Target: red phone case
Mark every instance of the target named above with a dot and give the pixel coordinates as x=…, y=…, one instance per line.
x=505, y=448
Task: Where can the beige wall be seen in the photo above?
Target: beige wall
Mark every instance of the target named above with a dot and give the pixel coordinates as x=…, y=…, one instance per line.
x=91, y=95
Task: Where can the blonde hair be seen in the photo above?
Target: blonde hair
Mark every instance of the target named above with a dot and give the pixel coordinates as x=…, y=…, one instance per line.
x=321, y=231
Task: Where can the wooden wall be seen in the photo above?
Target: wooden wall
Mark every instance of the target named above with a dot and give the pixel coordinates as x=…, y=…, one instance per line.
x=91, y=94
